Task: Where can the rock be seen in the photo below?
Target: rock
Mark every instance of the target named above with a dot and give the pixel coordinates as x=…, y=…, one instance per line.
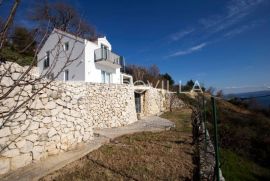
x=5, y=132
x=38, y=148
x=15, y=76
x=54, y=112
x=20, y=117
x=21, y=143
x=20, y=161
x=38, y=152
x=33, y=126
x=27, y=147
x=15, y=91
x=47, y=120
x=56, y=124
x=52, y=150
x=16, y=130
x=42, y=130
x=3, y=141
x=37, y=104
x=32, y=137
x=50, y=105
x=75, y=114
x=4, y=109
x=37, y=155
x=7, y=81
x=60, y=102
x=9, y=102
x=66, y=111
x=4, y=165
x=52, y=132
x=11, y=153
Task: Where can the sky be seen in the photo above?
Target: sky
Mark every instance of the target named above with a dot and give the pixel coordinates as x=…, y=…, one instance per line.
x=224, y=44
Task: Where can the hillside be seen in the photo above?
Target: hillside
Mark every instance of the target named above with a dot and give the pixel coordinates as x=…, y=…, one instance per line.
x=244, y=140
x=10, y=55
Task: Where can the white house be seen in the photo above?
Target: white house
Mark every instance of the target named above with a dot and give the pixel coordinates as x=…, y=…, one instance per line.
x=89, y=61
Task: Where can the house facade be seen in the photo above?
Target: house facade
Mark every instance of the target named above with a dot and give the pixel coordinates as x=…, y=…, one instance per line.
x=72, y=58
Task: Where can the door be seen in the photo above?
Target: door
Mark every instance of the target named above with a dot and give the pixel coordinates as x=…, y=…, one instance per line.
x=104, y=51
x=138, y=102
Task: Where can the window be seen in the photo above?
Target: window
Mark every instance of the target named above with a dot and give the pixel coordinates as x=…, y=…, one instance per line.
x=47, y=60
x=105, y=52
x=66, y=46
x=66, y=76
x=105, y=77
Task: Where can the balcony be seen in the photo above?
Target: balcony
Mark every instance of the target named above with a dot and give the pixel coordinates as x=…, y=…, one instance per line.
x=107, y=58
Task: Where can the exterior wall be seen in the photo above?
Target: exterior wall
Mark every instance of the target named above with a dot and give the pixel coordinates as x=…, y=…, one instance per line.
x=58, y=117
x=76, y=53
x=110, y=105
x=83, y=68
x=92, y=70
x=155, y=101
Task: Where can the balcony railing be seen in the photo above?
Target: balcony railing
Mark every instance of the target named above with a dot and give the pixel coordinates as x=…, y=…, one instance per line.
x=103, y=54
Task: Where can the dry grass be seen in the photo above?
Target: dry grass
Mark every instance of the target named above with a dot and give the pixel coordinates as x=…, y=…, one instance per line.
x=165, y=155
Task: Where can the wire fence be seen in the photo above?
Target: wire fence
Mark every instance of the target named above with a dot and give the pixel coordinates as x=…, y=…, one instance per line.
x=214, y=120
x=204, y=113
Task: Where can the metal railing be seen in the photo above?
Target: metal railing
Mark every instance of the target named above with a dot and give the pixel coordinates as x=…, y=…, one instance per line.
x=102, y=54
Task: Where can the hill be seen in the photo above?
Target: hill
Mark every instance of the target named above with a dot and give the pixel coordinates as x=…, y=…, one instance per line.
x=244, y=140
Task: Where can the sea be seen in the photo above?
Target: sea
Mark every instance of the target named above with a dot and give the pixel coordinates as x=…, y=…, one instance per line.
x=263, y=101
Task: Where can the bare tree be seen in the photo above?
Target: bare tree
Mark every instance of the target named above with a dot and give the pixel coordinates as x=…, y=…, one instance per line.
x=61, y=16
x=25, y=82
x=210, y=90
x=7, y=24
x=137, y=72
x=220, y=93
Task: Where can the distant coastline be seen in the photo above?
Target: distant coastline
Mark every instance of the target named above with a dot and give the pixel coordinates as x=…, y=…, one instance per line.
x=263, y=101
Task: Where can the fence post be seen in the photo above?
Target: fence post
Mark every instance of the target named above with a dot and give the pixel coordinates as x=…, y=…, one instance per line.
x=213, y=101
x=204, y=122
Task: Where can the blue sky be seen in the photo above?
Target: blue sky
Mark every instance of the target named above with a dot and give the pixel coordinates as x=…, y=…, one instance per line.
x=224, y=43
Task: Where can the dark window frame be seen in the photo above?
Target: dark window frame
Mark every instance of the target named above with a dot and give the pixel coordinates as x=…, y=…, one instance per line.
x=47, y=60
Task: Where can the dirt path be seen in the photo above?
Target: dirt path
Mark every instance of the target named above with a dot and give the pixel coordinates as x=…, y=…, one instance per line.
x=165, y=155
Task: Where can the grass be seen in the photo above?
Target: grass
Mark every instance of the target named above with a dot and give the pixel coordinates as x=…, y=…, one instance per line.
x=237, y=168
x=166, y=155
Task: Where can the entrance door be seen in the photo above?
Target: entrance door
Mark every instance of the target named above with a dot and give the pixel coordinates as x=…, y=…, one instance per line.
x=138, y=102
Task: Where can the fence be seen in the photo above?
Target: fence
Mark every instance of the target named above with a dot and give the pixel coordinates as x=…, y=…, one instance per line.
x=208, y=145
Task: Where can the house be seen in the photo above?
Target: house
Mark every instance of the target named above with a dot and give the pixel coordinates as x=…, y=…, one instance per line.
x=72, y=58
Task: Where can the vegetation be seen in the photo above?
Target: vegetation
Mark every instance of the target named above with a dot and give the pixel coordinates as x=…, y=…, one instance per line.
x=166, y=155
x=9, y=54
x=238, y=168
x=244, y=139
x=151, y=75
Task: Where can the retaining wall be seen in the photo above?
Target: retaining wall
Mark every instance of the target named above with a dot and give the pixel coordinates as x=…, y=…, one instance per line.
x=58, y=118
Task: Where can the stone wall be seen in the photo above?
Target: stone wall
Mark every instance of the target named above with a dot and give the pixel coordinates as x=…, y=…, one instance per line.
x=154, y=101
x=110, y=105
x=58, y=118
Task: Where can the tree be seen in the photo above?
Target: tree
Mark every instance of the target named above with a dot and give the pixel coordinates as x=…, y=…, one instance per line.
x=210, y=90
x=166, y=76
x=1, y=24
x=153, y=71
x=14, y=87
x=219, y=93
x=62, y=16
x=137, y=72
x=23, y=40
x=189, y=85
x=8, y=23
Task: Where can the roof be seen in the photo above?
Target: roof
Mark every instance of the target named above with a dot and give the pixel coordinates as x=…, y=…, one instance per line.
x=94, y=40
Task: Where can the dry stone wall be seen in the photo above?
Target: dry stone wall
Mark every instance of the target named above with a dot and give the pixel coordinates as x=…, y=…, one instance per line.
x=56, y=119
x=155, y=101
